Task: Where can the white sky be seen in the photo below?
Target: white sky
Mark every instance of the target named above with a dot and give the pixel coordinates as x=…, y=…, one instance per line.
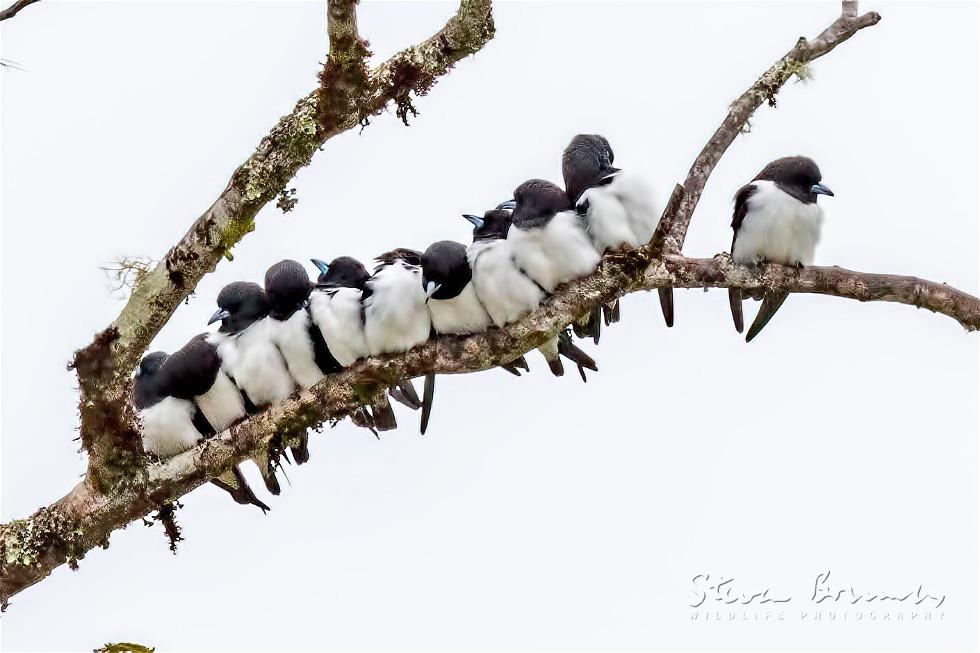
x=537, y=513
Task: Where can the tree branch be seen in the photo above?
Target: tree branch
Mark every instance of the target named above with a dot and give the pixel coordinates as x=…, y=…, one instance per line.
x=12, y=10
x=673, y=227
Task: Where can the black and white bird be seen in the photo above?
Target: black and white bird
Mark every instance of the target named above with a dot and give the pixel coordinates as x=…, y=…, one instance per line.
x=250, y=357
x=337, y=312
x=619, y=206
x=453, y=304
x=172, y=423
x=395, y=315
x=505, y=290
x=777, y=220
x=292, y=330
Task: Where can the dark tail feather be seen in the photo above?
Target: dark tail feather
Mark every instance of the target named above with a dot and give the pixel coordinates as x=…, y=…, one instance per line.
x=428, y=393
x=556, y=367
x=361, y=417
x=667, y=304
x=610, y=312
x=735, y=301
x=589, y=325
x=268, y=471
x=301, y=452
x=384, y=416
x=568, y=349
x=519, y=363
x=405, y=393
x=234, y=483
x=770, y=304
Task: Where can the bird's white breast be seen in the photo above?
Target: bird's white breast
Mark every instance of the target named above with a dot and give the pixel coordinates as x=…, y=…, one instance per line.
x=222, y=404
x=607, y=222
x=778, y=228
x=501, y=287
x=395, y=316
x=168, y=427
x=462, y=314
x=337, y=314
x=558, y=252
x=638, y=198
x=252, y=359
x=292, y=336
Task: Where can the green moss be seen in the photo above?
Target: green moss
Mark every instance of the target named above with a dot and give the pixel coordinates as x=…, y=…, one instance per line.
x=24, y=541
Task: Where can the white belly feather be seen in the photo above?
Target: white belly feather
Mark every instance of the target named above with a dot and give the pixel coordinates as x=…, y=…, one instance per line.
x=778, y=228
x=254, y=362
x=395, y=316
x=168, y=427
x=337, y=313
x=623, y=212
x=558, y=252
x=501, y=287
x=222, y=404
x=462, y=314
x=292, y=336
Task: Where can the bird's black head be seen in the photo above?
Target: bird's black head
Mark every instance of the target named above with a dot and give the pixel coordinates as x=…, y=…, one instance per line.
x=494, y=225
x=150, y=384
x=445, y=270
x=239, y=305
x=342, y=272
x=586, y=162
x=537, y=201
x=288, y=287
x=798, y=176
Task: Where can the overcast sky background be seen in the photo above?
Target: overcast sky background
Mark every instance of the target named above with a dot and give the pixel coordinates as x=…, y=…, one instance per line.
x=537, y=512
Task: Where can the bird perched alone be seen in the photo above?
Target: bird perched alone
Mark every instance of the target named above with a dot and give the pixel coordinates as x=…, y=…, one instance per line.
x=618, y=206
x=505, y=290
x=249, y=356
x=172, y=423
x=336, y=311
x=453, y=305
x=292, y=330
x=776, y=219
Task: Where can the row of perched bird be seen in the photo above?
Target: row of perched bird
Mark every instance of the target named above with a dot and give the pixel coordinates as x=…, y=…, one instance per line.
x=293, y=332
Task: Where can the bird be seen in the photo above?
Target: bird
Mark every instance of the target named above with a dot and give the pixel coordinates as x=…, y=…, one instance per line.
x=776, y=219
x=172, y=424
x=505, y=290
x=619, y=207
x=336, y=311
x=291, y=329
x=250, y=358
x=453, y=305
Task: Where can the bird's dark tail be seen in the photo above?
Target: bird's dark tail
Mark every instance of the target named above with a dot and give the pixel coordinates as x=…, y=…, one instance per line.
x=514, y=366
x=568, y=349
x=233, y=482
x=428, y=393
x=667, y=304
x=268, y=470
x=301, y=451
x=610, y=312
x=589, y=325
x=404, y=393
x=735, y=302
x=361, y=417
x=382, y=414
x=770, y=304
x=550, y=352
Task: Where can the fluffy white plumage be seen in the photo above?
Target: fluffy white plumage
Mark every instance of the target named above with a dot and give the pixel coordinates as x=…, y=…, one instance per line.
x=623, y=212
x=462, y=314
x=252, y=359
x=559, y=251
x=395, y=316
x=222, y=404
x=505, y=291
x=168, y=427
x=292, y=336
x=337, y=313
x=778, y=227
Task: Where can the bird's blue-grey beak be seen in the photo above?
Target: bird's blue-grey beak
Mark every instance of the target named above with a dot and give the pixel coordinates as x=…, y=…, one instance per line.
x=220, y=314
x=509, y=205
x=323, y=267
x=431, y=288
x=820, y=189
x=477, y=222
